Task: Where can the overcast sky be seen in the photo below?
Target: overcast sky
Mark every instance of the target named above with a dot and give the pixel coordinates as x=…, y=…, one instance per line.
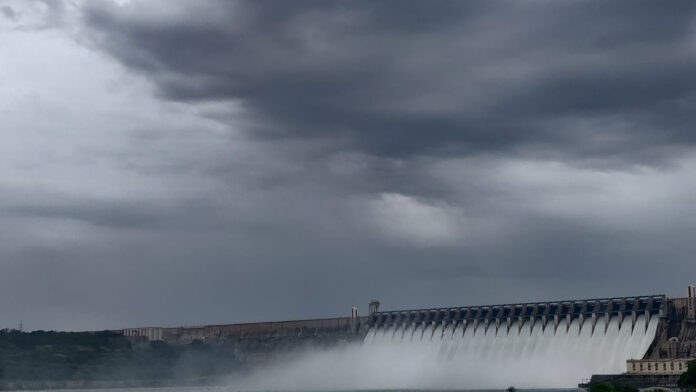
x=192, y=162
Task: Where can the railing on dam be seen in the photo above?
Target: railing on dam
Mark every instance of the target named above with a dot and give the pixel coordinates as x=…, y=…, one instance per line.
x=548, y=313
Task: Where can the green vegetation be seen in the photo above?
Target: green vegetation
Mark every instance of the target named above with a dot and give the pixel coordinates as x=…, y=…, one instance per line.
x=604, y=386
x=58, y=356
x=688, y=379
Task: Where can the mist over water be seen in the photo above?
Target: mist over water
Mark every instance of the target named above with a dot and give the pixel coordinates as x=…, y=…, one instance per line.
x=431, y=357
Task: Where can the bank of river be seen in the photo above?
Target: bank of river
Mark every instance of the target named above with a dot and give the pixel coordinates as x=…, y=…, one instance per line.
x=197, y=384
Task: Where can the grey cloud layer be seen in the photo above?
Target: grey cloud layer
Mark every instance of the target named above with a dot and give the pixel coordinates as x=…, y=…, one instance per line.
x=238, y=161
x=393, y=78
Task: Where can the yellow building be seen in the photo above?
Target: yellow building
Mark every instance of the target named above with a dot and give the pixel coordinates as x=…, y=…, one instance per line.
x=657, y=366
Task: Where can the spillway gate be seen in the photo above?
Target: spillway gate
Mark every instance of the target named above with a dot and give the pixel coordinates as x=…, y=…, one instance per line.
x=598, y=311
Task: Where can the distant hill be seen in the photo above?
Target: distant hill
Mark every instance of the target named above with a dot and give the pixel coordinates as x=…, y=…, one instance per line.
x=103, y=356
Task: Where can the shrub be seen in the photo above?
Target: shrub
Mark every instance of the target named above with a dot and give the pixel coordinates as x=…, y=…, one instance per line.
x=688, y=379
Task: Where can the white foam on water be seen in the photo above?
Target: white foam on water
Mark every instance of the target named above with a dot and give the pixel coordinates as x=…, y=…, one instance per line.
x=430, y=357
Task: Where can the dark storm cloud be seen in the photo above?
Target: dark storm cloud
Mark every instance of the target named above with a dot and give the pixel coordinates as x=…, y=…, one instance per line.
x=436, y=120
x=109, y=215
x=8, y=12
x=299, y=158
x=55, y=13
x=123, y=215
x=401, y=78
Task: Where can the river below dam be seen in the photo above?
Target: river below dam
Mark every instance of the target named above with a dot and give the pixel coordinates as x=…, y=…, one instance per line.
x=231, y=389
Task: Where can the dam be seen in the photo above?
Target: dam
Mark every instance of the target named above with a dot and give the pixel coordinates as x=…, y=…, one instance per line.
x=548, y=344
x=542, y=344
x=544, y=314
x=587, y=335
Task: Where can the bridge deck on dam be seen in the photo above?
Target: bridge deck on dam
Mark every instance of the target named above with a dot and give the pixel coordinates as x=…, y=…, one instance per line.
x=520, y=312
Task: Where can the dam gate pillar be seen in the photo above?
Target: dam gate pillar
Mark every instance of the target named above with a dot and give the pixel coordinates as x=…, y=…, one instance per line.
x=691, y=305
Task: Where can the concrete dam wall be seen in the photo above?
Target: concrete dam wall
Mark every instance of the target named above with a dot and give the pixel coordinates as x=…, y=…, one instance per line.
x=545, y=314
x=262, y=341
x=549, y=344
x=575, y=338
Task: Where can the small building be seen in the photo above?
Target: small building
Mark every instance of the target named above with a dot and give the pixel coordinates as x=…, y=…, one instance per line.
x=667, y=366
x=150, y=333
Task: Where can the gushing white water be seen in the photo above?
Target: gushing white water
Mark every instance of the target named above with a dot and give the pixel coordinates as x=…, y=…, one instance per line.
x=427, y=356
